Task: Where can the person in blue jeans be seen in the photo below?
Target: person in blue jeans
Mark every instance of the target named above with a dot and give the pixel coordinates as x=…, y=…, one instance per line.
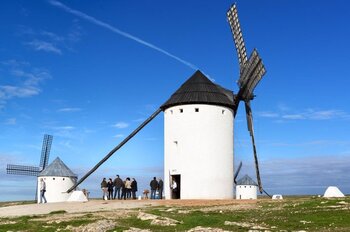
x=118, y=183
x=154, y=186
x=42, y=191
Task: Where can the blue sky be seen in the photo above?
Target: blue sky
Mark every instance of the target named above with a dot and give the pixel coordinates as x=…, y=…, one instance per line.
x=89, y=72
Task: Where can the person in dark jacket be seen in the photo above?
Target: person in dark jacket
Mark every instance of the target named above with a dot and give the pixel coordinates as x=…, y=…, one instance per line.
x=118, y=183
x=160, y=188
x=154, y=186
x=123, y=191
x=110, y=189
x=104, y=188
x=133, y=188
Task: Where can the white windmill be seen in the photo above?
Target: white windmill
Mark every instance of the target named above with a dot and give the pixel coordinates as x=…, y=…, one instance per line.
x=198, y=129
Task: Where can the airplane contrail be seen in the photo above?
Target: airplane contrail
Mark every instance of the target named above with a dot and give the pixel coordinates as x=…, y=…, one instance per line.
x=120, y=32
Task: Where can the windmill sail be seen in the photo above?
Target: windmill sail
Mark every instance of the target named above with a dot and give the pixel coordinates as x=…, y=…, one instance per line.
x=251, y=72
x=32, y=170
x=45, y=152
x=22, y=170
x=232, y=17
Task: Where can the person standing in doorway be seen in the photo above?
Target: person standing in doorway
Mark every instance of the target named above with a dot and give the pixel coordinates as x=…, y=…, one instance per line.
x=118, y=183
x=42, y=191
x=174, y=189
x=154, y=186
x=104, y=189
x=160, y=188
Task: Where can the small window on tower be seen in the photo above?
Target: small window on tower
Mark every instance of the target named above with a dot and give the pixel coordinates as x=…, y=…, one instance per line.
x=223, y=111
x=63, y=178
x=53, y=178
x=181, y=110
x=171, y=111
x=196, y=110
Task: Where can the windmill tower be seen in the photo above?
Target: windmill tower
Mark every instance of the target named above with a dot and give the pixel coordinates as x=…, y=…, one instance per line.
x=246, y=188
x=198, y=140
x=32, y=170
x=58, y=178
x=198, y=129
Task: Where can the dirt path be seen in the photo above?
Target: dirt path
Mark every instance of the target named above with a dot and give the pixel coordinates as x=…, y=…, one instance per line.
x=100, y=205
x=72, y=207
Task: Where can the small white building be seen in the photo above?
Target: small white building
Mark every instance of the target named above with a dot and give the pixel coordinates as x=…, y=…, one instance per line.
x=246, y=188
x=277, y=197
x=58, y=178
x=333, y=191
x=198, y=141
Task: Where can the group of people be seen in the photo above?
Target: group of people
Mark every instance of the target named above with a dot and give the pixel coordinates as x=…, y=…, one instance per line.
x=119, y=189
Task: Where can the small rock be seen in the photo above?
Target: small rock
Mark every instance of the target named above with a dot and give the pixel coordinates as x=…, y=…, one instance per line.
x=134, y=229
x=206, y=229
x=146, y=216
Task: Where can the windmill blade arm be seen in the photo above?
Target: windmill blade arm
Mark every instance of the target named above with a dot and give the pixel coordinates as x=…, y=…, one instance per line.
x=253, y=72
x=22, y=170
x=251, y=131
x=258, y=73
x=45, y=152
x=232, y=17
x=115, y=149
x=237, y=172
x=249, y=117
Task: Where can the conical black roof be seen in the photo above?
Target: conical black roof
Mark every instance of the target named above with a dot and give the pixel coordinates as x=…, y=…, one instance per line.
x=57, y=168
x=246, y=180
x=198, y=89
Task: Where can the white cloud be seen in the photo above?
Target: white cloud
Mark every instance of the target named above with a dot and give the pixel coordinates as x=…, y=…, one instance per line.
x=49, y=41
x=8, y=91
x=10, y=121
x=118, y=136
x=285, y=113
x=24, y=80
x=268, y=114
x=66, y=128
x=69, y=110
x=40, y=45
x=121, y=125
x=293, y=116
x=326, y=114
x=53, y=36
x=312, y=114
x=139, y=120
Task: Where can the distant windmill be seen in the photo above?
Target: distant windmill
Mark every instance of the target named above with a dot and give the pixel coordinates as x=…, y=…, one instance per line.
x=251, y=72
x=32, y=170
x=198, y=129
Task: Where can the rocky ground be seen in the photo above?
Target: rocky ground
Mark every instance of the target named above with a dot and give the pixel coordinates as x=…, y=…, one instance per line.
x=296, y=214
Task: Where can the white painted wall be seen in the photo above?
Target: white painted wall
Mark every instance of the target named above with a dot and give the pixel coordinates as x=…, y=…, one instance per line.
x=56, y=188
x=246, y=192
x=199, y=147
